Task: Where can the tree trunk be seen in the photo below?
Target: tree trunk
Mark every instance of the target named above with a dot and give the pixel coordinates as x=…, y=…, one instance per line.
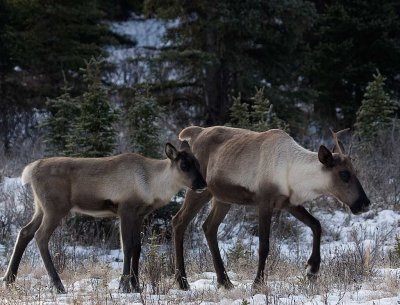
x=216, y=86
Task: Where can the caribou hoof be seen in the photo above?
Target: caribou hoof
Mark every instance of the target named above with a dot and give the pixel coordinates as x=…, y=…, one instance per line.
x=125, y=285
x=259, y=286
x=312, y=273
x=312, y=277
x=227, y=284
x=183, y=283
x=59, y=287
x=136, y=288
x=9, y=279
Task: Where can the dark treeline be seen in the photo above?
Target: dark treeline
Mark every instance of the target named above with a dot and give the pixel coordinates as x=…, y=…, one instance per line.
x=42, y=43
x=314, y=59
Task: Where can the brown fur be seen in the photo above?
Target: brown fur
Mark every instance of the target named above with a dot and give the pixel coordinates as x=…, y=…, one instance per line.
x=268, y=170
x=129, y=186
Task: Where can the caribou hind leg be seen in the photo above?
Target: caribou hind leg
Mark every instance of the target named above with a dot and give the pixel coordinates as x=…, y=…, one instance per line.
x=191, y=206
x=264, y=228
x=50, y=222
x=24, y=237
x=305, y=217
x=210, y=227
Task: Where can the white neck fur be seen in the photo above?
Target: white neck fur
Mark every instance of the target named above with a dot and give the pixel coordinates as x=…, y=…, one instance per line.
x=306, y=178
x=166, y=183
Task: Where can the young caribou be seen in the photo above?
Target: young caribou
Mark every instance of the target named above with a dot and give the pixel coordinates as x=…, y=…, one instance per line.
x=128, y=186
x=268, y=170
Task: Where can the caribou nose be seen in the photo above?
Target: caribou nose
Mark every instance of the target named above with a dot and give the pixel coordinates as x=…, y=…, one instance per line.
x=199, y=187
x=360, y=206
x=366, y=206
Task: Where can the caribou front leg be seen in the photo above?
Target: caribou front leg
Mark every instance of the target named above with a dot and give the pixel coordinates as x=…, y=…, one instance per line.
x=210, y=227
x=264, y=227
x=305, y=217
x=191, y=206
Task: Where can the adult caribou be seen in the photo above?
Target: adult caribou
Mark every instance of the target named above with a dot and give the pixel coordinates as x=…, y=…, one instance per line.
x=268, y=170
x=128, y=186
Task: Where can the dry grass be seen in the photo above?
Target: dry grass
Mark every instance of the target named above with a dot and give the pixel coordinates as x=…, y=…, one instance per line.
x=96, y=282
x=89, y=279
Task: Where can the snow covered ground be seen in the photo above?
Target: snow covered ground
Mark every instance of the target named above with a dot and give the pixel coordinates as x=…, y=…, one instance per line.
x=92, y=274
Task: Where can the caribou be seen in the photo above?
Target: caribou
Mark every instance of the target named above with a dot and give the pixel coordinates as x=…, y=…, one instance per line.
x=268, y=170
x=129, y=186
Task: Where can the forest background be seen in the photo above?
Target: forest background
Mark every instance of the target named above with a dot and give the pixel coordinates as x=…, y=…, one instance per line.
x=74, y=81
x=313, y=61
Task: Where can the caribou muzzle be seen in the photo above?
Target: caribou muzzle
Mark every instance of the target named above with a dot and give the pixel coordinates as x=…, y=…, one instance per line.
x=199, y=185
x=361, y=205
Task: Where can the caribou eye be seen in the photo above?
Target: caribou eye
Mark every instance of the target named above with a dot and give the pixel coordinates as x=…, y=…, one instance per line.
x=345, y=176
x=184, y=166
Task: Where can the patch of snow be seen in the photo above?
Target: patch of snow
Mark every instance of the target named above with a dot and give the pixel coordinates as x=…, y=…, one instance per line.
x=10, y=185
x=205, y=284
x=146, y=32
x=132, y=61
x=11, y=194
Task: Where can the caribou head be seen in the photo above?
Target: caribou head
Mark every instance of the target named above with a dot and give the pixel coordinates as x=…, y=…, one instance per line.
x=344, y=184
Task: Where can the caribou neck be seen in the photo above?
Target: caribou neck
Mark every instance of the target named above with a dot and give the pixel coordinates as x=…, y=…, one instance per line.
x=306, y=177
x=166, y=183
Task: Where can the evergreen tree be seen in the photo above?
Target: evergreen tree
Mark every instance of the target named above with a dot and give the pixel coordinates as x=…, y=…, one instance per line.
x=263, y=115
x=239, y=113
x=260, y=116
x=16, y=102
x=142, y=115
x=349, y=41
x=38, y=40
x=377, y=110
x=220, y=48
x=63, y=112
x=58, y=35
x=92, y=133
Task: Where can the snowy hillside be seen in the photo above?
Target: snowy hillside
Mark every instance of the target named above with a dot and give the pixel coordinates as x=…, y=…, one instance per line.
x=131, y=61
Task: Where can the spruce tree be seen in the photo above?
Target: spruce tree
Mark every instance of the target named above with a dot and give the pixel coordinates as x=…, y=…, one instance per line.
x=260, y=116
x=92, y=134
x=57, y=126
x=57, y=35
x=377, y=110
x=350, y=39
x=222, y=47
x=263, y=114
x=38, y=40
x=239, y=113
x=142, y=115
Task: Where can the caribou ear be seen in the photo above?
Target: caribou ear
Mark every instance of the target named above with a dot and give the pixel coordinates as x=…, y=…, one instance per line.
x=171, y=151
x=185, y=145
x=336, y=149
x=325, y=156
